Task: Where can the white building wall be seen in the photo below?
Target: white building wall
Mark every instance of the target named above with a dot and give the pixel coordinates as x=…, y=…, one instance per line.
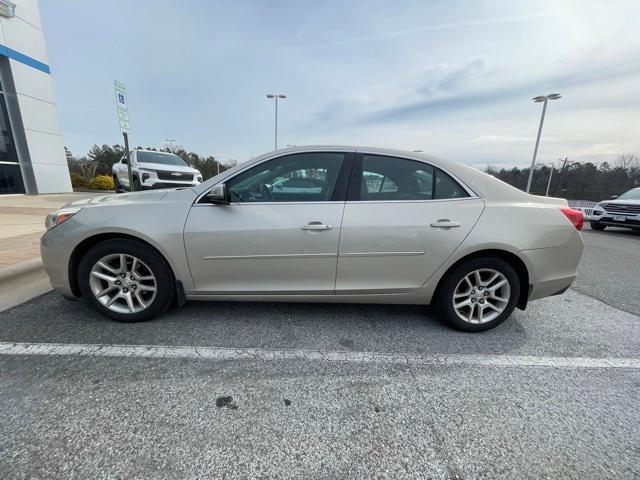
x=34, y=91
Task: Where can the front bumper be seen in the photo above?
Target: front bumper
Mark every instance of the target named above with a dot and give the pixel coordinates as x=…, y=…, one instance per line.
x=55, y=251
x=609, y=221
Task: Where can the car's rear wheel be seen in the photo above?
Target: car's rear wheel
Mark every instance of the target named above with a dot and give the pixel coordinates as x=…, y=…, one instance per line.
x=478, y=294
x=126, y=280
x=597, y=226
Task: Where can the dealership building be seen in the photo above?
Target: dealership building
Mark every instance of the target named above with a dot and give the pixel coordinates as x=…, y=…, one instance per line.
x=32, y=157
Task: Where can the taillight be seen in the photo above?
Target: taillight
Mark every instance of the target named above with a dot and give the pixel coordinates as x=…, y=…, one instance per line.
x=575, y=216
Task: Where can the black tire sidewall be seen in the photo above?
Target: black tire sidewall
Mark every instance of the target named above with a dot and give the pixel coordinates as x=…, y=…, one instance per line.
x=596, y=226
x=153, y=259
x=445, y=292
x=116, y=184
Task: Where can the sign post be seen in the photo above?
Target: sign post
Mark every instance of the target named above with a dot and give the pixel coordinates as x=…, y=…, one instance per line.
x=123, y=118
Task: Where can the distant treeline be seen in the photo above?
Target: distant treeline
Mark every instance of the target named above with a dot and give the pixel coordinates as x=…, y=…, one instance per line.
x=100, y=159
x=578, y=181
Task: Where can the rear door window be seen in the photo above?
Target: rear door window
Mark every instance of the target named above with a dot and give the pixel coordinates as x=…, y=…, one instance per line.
x=387, y=178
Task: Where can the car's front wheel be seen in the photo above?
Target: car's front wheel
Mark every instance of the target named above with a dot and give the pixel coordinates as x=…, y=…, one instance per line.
x=117, y=187
x=478, y=294
x=597, y=226
x=126, y=280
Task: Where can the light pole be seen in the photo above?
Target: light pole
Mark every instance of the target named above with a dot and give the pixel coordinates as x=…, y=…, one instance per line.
x=549, y=182
x=538, y=99
x=216, y=158
x=276, y=96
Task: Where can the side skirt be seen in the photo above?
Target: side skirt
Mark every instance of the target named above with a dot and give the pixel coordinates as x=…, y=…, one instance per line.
x=400, y=299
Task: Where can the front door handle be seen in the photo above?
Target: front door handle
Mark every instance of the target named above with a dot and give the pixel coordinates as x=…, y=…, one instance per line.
x=316, y=226
x=445, y=223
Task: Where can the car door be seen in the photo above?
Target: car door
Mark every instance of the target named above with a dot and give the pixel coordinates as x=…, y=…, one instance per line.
x=403, y=218
x=123, y=170
x=269, y=240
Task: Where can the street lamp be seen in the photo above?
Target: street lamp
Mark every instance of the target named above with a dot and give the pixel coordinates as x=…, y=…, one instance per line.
x=538, y=99
x=550, y=176
x=276, y=96
x=216, y=159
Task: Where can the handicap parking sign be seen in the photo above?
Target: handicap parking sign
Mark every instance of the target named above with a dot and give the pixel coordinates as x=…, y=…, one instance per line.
x=121, y=106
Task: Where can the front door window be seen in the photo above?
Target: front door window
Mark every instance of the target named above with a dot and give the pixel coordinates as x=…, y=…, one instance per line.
x=305, y=177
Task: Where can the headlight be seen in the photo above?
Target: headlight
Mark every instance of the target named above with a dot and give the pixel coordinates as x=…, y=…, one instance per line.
x=56, y=218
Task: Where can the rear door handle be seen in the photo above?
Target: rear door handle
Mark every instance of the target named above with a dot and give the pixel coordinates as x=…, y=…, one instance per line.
x=316, y=226
x=445, y=223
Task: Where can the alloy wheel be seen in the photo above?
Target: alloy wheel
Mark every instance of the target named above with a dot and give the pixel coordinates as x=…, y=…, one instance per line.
x=123, y=283
x=481, y=296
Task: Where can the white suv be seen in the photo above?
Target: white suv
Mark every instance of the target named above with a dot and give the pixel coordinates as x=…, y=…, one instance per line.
x=624, y=212
x=152, y=169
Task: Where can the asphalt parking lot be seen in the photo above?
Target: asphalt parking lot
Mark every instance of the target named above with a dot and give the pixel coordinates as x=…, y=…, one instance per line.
x=257, y=390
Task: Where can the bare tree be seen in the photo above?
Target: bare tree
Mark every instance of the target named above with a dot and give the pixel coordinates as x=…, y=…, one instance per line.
x=231, y=163
x=627, y=161
x=87, y=168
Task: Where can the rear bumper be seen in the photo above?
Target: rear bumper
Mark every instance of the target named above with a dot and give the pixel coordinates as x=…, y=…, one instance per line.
x=552, y=270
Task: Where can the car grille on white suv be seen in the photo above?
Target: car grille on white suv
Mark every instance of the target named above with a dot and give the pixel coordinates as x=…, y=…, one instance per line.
x=621, y=208
x=175, y=176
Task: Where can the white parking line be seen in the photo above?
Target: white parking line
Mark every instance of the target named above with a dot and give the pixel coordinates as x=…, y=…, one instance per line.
x=219, y=353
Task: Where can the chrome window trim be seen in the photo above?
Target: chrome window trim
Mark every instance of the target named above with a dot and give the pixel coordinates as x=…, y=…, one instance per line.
x=467, y=189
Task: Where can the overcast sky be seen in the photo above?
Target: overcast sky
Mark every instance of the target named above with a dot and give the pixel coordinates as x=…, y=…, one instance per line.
x=451, y=78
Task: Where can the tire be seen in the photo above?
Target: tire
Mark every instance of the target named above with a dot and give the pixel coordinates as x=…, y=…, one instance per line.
x=454, y=283
x=116, y=183
x=597, y=226
x=136, y=184
x=147, y=303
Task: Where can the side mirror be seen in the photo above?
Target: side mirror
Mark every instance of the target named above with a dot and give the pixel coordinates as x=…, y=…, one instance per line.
x=218, y=194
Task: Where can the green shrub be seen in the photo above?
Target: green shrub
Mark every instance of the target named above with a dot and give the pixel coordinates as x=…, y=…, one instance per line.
x=78, y=181
x=101, y=182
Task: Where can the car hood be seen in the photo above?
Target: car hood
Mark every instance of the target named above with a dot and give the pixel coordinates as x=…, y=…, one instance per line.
x=620, y=202
x=167, y=168
x=150, y=196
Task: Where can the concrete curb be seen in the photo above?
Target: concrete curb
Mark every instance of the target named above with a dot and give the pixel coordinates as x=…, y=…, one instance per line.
x=19, y=269
x=22, y=282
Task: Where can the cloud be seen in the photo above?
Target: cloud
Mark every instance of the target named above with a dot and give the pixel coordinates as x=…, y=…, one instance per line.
x=434, y=100
x=439, y=27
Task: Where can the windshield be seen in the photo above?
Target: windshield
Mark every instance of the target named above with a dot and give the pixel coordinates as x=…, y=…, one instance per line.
x=159, y=157
x=630, y=195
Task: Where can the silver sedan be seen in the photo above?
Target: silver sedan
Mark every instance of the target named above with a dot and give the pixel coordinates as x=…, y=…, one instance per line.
x=378, y=226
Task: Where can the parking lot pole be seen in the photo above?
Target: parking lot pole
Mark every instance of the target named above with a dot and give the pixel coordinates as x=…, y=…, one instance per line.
x=549, y=182
x=535, y=150
x=538, y=99
x=126, y=152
